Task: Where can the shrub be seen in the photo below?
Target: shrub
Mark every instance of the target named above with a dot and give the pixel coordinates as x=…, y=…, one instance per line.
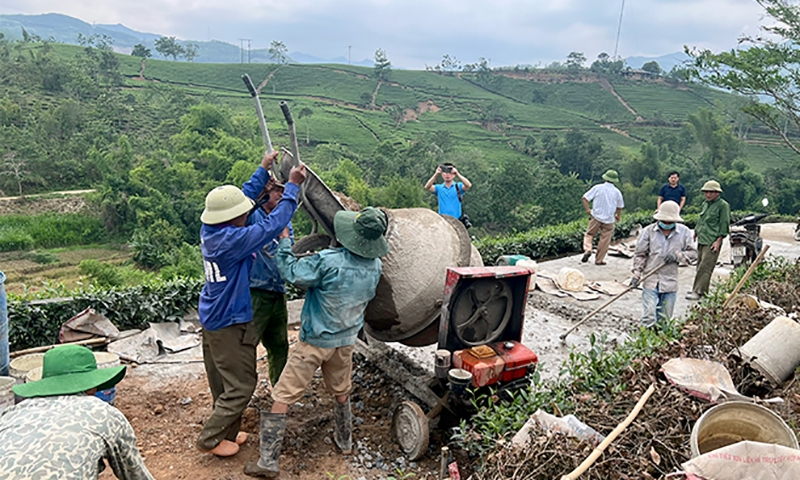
x=155, y=246
x=23, y=232
x=34, y=324
x=102, y=274
x=11, y=240
x=43, y=258
x=554, y=240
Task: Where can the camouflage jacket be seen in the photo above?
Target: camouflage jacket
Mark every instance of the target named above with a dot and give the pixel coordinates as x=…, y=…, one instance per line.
x=67, y=437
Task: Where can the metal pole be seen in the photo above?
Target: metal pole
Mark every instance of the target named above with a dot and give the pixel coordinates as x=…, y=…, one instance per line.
x=3, y=327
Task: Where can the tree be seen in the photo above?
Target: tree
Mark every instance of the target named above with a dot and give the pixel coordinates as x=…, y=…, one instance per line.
x=448, y=64
x=768, y=66
x=652, y=67
x=141, y=51
x=14, y=167
x=169, y=47
x=604, y=64
x=306, y=112
x=575, y=61
x=190, y=51
x=382, y=64
x=278, y=51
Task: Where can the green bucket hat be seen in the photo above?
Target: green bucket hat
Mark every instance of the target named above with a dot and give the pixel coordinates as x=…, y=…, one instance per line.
x=611, y=176
x=70, y=369
x=362, y=232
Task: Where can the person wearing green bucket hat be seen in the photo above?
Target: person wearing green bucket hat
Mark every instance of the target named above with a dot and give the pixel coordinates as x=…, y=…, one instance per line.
x=607, y=204
x=340, y=282
x=62, y=430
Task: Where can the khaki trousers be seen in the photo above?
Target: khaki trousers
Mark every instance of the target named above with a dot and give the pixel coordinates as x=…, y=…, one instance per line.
x=229, y=355
x=606, y=232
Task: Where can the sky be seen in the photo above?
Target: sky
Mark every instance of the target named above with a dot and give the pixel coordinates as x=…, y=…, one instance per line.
x=416, y=33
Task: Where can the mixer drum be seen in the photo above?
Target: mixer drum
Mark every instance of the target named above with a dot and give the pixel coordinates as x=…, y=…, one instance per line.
x=408, y=302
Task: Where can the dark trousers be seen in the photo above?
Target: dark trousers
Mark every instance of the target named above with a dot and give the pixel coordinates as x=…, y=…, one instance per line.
x=270, y=317
x=706, y=261
x=229, y=355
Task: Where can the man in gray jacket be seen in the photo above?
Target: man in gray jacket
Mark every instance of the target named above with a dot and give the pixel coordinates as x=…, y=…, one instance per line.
x=665, y=242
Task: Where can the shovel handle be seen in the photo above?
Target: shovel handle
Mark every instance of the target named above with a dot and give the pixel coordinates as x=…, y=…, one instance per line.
x=249, y=84
x=286, y=113
x=609, y=302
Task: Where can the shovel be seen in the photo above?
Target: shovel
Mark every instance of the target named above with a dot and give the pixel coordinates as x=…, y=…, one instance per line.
x=613, y=299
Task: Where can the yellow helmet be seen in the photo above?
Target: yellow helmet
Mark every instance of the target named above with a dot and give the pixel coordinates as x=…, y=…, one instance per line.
x=225, y=203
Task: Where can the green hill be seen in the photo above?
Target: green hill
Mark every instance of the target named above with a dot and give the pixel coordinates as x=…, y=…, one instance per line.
x=531, y=140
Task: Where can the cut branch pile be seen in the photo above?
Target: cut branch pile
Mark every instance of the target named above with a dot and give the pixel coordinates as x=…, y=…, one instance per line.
x=657, y=442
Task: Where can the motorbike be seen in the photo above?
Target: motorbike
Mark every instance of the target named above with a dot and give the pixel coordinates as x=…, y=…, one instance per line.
x=746, y=241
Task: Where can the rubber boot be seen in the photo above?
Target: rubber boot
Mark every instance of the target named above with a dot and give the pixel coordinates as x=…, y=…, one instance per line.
x=273, y=427
x=343, y=432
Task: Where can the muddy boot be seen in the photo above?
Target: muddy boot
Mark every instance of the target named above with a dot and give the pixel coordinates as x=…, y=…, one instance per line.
x=343, y=432
x=273, y=427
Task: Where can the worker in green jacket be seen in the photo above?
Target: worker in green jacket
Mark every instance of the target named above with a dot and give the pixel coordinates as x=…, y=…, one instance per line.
x=712, y=227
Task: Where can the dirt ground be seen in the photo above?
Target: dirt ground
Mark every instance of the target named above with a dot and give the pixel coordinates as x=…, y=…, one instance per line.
x=167, y=405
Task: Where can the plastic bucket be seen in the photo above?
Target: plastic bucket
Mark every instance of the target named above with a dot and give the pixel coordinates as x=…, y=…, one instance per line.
x=509, y=259
x=105, y=360
x=775, y=350
x=6, y=394
x=3, y=326
x=20, y=366
x=734, y=422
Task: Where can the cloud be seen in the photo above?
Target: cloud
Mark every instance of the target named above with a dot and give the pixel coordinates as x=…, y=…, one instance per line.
x=419, y=32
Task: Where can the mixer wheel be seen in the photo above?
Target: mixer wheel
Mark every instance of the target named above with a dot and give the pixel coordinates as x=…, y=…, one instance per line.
x=410, y=428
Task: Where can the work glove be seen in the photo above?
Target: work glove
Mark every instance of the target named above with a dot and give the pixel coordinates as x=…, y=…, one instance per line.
x=634, y=282
x=669, y=257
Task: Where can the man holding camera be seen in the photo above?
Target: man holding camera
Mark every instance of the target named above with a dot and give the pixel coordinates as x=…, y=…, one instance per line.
x=450, y=193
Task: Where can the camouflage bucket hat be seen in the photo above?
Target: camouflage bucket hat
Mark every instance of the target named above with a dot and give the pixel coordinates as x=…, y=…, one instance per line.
x=70, y=369
x=362, y=232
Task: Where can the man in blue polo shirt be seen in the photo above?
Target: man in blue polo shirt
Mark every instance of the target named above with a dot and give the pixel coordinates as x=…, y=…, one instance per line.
x=449, y=193
x=672, y=191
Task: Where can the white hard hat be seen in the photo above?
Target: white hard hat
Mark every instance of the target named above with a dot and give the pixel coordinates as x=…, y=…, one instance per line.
x=669, y=212
x=225, y=203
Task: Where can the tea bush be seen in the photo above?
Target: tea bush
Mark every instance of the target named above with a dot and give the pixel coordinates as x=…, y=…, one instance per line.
x=24, y=232
x=38, y=323
x=555, y=240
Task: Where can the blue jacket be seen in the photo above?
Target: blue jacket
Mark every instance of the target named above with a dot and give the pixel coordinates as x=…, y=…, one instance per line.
x=340, y=285
x=227, y=256
x=264, y=273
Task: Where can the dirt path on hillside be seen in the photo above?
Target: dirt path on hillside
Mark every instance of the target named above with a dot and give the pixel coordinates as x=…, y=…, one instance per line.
x=267, y=79
x=606, y=85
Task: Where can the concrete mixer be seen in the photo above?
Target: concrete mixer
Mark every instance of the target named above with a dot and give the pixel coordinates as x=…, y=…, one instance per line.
x=434, y=288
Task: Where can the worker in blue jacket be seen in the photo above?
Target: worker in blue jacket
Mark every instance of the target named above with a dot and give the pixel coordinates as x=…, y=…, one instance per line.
x=225, y=310
x=341, y=282
x=267, y=288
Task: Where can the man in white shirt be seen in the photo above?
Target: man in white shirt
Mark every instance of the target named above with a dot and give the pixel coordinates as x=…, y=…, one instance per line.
x=607, y=204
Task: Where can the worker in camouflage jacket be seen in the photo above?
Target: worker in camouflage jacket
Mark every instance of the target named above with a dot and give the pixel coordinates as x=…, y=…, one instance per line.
x=62, y=430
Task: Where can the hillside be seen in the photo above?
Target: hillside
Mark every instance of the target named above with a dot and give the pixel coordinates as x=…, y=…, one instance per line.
x=530, y=140
x=623, y=112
